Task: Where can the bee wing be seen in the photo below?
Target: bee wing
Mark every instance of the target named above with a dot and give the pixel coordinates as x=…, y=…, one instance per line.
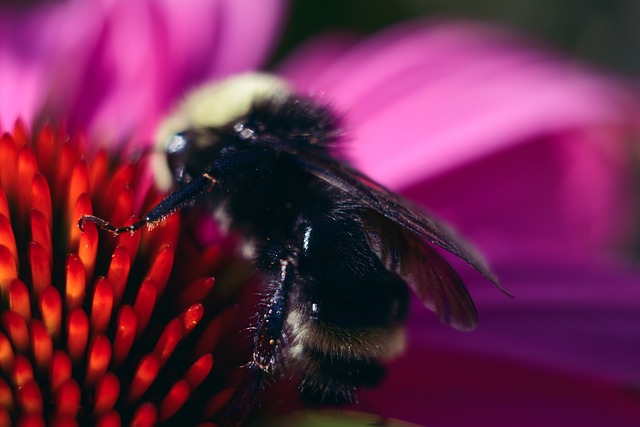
x=431, y=277
x=391, y=206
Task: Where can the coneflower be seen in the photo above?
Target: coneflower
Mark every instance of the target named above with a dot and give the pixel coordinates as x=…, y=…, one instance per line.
x=95, y=328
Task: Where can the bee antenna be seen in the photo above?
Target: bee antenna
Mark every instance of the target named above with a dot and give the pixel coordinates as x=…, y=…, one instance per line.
x=107, y=226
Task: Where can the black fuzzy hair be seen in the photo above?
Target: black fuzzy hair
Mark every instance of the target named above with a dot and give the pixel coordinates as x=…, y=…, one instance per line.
x=297, y=118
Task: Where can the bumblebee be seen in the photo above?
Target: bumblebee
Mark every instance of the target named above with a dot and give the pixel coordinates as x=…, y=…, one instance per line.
x=335, y=251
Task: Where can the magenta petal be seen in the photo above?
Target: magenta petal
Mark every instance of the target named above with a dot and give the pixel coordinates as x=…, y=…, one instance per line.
x=561, y=191
x=569, y=314
x=500, y=136
x=451, y=93
x=42, y=49
x=463, y=389
x=149, y=53
x=304, y=65
x=248, y=33
x=116, y=66
x=21, y=86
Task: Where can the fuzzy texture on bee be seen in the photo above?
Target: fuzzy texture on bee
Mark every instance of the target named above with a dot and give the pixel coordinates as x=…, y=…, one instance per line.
x=336, y=252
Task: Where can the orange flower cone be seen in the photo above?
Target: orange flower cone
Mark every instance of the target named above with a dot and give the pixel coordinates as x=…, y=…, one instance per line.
x=95, y=329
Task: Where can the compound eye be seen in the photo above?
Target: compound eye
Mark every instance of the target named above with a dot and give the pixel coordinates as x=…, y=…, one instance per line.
x=244, y=130
x=177, y=150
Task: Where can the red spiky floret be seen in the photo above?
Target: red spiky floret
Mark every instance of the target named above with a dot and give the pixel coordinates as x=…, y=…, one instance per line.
x=97, y=329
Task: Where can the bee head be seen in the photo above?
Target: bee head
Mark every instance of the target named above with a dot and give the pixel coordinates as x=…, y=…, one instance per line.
x=177, y=151
x=189, y=135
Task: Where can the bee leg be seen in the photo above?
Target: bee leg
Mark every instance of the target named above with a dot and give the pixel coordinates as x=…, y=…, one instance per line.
x=170, y=204
x=269, y=339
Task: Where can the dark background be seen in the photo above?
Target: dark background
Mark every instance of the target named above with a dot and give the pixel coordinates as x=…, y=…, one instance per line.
x=605, y=32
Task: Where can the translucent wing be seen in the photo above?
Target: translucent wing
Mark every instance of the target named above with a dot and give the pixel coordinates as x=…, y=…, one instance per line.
x=433, y=280
x=388, y=204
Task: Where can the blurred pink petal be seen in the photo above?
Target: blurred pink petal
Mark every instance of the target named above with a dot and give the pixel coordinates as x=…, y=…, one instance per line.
x=564, y=351
x=21, y=86
x=496, y=134
x=570, y=313
x=22, y=63
x=570, y=191
x=318, y=54
x=466, y=389
x=116, y=66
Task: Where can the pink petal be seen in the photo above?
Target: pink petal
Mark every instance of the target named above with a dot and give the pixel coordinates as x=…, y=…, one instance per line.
x=497, y=135
x=151, y=52
x=307, y=62
x=116, y=66
x=21, y=86
x=451, y=85
x=572, y=191
x=33, y=43
x=569, y=314
x=463, y=389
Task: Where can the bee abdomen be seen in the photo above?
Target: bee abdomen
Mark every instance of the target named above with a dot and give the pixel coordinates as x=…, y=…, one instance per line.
x=345, y=342
x=330, y=379
x=335, y=360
